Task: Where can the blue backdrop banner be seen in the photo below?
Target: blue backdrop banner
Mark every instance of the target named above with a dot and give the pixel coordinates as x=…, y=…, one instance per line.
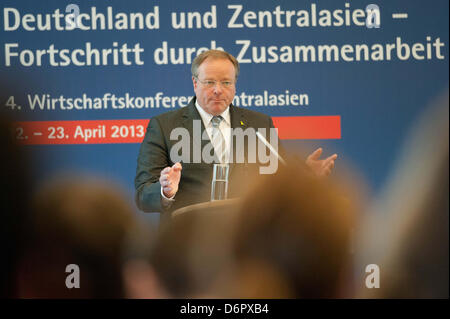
x=351, y=76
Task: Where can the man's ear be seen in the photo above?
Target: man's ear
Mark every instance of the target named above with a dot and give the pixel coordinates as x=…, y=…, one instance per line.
x=194, y=82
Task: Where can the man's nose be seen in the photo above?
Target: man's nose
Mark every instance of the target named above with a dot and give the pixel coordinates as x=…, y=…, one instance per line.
x=218, y=88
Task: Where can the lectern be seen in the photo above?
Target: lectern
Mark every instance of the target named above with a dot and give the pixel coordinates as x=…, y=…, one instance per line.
x=227, y=206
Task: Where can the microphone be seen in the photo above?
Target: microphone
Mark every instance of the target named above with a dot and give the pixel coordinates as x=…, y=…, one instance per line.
x=262, y=139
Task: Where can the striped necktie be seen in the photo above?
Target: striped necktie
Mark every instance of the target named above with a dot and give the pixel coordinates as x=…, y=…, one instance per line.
x=217, y=139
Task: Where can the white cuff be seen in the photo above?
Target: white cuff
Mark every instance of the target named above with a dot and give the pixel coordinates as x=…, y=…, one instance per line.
x=166, y=200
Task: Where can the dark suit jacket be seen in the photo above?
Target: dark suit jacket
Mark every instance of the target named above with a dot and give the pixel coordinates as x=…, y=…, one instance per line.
x=195, y=183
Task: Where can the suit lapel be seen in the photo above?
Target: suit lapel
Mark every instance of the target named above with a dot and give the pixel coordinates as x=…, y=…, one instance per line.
x=190, y=114
x=237, y=119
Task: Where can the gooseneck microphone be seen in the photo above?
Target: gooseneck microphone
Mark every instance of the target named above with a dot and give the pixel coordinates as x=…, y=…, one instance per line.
x=262, y=139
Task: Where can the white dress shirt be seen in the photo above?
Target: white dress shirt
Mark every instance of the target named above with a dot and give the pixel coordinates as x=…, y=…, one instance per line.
x=225, y=129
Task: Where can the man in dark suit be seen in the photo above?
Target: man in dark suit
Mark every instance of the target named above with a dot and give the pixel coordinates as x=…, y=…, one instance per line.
x=162, y=183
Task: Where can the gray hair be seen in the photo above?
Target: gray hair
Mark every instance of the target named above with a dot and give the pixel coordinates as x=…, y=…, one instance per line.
x=213, y=54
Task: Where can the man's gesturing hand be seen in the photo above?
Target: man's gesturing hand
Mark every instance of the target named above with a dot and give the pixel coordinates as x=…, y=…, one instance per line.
x=169, y=179
x=320, y=167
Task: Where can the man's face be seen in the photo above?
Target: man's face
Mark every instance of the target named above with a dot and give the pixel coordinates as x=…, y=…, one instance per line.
x=215, y=99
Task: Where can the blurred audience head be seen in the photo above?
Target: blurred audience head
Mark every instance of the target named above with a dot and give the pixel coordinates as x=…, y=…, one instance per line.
x=192, y=250
x=289, y=237
x=406, y=230
x=77, y=221
x=15, y=191
x=292, y=238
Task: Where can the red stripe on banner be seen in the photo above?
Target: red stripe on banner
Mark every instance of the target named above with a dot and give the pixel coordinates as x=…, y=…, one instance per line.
x=133, y=131
x=308, y=127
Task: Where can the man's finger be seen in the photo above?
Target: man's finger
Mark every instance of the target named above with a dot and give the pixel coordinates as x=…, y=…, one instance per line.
x=165, y=170
x=330, y=159
x=330, y=165
x=327, y=162
x=177, y=167
x=334, y=156
x=165, y=183
x=316, y=154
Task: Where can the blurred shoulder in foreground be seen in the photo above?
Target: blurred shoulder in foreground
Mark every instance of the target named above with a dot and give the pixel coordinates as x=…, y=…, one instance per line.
x=406, y=232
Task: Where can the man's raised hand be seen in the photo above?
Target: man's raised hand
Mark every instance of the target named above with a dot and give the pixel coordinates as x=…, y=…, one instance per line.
x=169, y=179
x=318, y=166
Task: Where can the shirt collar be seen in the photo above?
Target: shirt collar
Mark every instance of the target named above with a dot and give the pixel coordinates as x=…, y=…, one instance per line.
x=206, y=117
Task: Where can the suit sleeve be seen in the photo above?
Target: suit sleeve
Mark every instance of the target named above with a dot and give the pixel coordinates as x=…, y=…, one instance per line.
x=153, y=157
